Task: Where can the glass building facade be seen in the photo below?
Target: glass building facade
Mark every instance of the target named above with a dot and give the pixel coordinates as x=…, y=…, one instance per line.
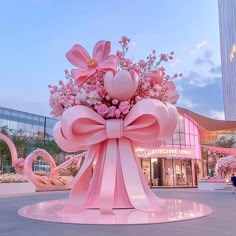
x=227, y=25
x=28, y=124
x=178, y=161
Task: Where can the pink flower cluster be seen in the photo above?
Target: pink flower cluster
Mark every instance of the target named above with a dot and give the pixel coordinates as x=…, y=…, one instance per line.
x=226, y=165
x=213, y=157
x=63, y=95
x=213, y=179
x=101, y=84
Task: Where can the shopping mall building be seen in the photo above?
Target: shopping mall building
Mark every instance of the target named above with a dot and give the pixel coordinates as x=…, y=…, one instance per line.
x=179, y=162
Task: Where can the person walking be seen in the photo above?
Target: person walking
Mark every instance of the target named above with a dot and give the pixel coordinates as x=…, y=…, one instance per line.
x=233, y=180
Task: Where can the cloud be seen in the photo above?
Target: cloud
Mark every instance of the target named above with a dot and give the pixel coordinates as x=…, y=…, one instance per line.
x=196, y=79
x=132, y=44
x=201, y=44
x=205, y=57
x=175, y=63
x=215, y=70
x=218, y=115
x=186, y=102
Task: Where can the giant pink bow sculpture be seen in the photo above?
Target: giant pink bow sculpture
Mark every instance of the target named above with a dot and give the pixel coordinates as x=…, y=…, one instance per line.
x=117, y=180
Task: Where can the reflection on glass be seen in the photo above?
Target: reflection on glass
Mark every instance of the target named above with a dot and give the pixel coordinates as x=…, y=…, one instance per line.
x=168, y=177
x=183, y=172
x=154, y=172
x=146, y=169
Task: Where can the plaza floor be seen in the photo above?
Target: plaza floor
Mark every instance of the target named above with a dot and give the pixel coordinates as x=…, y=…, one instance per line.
x=222, y=222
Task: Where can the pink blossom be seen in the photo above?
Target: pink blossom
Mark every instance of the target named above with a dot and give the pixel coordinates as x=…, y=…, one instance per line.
x=102, y=109
x=125, y=40
x=119, y=54
x=115, y=101
x=164, y=57
x=101, y=61
x=151, y=93
x=124, y=107
x=111, y=112
x=156, y=76
x=142, y=63
x=117, y=113
x=171, y=95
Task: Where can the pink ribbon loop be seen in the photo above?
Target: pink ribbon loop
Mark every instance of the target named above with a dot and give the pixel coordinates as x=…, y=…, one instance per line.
x=117, y=180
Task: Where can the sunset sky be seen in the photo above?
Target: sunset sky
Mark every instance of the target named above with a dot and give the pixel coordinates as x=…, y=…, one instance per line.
x=36, y=34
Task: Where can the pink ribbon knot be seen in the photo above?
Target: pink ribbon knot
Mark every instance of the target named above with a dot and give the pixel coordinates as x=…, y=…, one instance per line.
x=115, y=128
x=117, y=180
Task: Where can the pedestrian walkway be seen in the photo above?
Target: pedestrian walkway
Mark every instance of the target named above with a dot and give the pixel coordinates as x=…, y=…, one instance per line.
x=220, y=223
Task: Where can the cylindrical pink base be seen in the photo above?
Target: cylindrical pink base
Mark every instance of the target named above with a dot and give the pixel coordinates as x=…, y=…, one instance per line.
x=174, y=210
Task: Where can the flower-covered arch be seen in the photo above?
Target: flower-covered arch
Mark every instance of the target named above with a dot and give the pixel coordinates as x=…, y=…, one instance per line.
x=12, y=148
x=225, y=166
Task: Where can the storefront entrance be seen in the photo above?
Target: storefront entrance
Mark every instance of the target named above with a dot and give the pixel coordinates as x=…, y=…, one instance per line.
x=169, y=172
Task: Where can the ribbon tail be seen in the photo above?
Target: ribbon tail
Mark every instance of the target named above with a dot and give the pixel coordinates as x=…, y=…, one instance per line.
x=156, y=201
x=138, y=195
x=108, y=181
x=79, y=193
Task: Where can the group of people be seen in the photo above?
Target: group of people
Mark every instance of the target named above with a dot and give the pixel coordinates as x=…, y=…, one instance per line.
x=233, y=180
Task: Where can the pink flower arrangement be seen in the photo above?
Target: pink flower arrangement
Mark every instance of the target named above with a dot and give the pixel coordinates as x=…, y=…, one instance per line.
x=213, y=179
x=225, y=166
x=112, y=84
x=213, y=157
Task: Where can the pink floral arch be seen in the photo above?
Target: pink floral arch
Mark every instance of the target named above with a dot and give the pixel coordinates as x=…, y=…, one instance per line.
x=12, y=148
x=225, y=166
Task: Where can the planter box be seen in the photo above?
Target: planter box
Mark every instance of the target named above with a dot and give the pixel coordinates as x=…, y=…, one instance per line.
x=211, y=186
x=16, y=188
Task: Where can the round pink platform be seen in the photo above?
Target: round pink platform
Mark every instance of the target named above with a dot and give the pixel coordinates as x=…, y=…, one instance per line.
x=174, y=210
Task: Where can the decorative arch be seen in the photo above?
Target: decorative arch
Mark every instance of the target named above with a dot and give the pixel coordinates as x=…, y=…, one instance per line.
x=51, y=181
x=12, y=148
x=225, y=166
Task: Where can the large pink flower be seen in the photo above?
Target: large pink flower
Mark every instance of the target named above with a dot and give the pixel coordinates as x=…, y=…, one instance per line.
x=100, y=61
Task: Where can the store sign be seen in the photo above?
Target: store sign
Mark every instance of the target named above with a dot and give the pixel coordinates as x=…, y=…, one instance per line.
x=165, y=152
x=174, y=151
x=232, y=52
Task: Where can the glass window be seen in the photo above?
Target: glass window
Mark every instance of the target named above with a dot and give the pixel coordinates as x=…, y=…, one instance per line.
x=169, y=141
x=177, y=126
x=182, y=138
x=169, y=174
x=176, y=138
x=6, y=112
x=181, y=123
x=15, y=113
x=154, y=172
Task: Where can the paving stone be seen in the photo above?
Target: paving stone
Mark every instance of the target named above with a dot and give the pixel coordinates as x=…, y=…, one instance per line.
x=220, y=223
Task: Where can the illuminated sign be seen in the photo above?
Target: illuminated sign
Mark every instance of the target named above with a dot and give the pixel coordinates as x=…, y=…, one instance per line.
x=165, y=152
x=174, y=151
x=232, y=52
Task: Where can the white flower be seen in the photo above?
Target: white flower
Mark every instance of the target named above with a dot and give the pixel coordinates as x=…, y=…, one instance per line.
x=81, y=95
x=93, y=98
